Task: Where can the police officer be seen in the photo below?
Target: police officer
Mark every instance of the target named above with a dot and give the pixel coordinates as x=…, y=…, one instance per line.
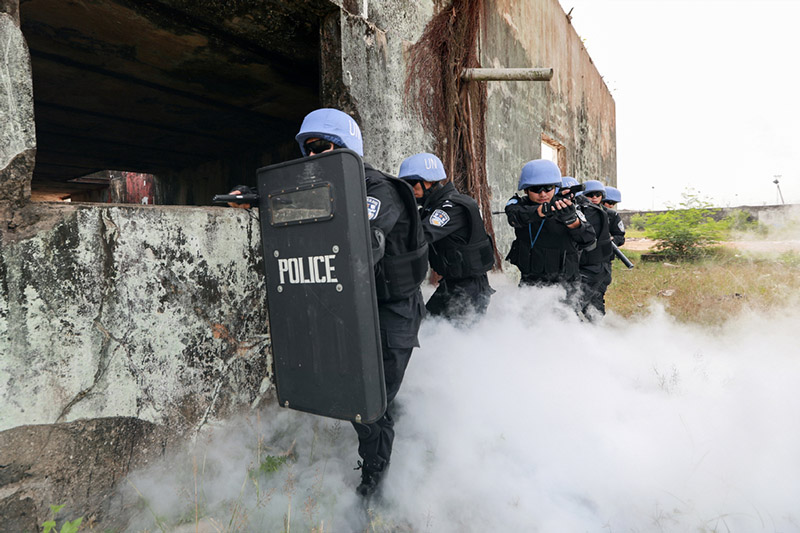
x=615, y=225
x=549, y=233
x=461, y=251
x=595, y=262
x=400, y=260
x=400, y=257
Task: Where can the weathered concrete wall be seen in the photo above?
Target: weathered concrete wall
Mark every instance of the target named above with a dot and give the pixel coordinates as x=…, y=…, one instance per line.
x=370, y=67
x=155, y=313
x=575, y=108
x=17, y=134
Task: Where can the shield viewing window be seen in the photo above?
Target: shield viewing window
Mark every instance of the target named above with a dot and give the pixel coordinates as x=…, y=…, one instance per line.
x=304, y=204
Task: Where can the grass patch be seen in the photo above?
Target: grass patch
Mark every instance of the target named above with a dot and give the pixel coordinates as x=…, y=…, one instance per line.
x=707, y=291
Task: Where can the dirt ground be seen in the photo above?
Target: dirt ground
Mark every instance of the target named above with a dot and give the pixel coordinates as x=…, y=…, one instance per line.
x=640, y=244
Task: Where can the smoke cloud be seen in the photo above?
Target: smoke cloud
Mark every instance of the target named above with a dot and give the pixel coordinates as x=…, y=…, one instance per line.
x=529, y=420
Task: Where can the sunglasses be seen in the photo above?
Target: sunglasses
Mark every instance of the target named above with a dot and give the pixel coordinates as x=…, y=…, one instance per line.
x=538, y=189
x=592, y=194
x=318, y=146
x=609, y=202
x=413, y=183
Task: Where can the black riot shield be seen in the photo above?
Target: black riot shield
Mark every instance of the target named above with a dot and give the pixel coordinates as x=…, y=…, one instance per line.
x=323, y=313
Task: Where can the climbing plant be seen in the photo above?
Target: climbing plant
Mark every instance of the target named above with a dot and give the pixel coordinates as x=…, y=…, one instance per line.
x=451, y=109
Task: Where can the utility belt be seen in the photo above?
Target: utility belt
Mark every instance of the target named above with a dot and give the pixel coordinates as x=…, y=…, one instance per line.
x=399, y=276
x=463, y=261
x=540, y=261
x=602, y=253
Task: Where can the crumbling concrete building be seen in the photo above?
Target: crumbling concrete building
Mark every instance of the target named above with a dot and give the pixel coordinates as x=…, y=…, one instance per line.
x=146, y=321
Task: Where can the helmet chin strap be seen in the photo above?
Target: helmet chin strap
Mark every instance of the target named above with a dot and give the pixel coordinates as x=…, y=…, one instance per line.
x=426, y=192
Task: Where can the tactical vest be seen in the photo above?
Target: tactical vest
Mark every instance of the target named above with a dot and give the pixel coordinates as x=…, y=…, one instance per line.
x=454, y=260
x=545, y=251
x=603, y=252
x=399, y=276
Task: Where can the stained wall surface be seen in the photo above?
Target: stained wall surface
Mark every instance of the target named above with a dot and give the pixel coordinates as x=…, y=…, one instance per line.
x=575, y=109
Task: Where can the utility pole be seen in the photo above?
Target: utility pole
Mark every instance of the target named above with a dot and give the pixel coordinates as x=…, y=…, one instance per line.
x=777, y=184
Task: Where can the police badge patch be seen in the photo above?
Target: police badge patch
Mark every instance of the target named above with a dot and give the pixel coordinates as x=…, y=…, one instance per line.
x=581, y=215
x=621, y=226
x=439, y=218
x=373, y=207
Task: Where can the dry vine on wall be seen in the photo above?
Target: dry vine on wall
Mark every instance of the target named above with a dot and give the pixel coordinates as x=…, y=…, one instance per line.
x=453, y=110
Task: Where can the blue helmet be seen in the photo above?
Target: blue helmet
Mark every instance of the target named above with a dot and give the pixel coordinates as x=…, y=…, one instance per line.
x=613, y=194
x=594, y=186
x=539, y=172
x=332, y=125
x=423, y=166
x=568, y=181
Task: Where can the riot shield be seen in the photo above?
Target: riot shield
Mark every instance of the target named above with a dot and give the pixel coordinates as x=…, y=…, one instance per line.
x=323, y=313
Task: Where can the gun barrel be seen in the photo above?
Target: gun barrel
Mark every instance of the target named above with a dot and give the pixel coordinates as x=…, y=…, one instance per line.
x=621, y=256
x=251, y=199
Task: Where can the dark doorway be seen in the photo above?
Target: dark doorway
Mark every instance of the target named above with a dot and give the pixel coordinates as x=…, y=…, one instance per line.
x=197, y=93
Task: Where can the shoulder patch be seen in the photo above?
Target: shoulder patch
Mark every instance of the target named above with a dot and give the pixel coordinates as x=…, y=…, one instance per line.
x=373, y=207
x=580, y=215
x=621, y=225
x=439, y=218
x=514, y=200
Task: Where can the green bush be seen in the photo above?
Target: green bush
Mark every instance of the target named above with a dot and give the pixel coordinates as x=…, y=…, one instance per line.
x=639, y=221
x=740, y=220
x=685, y=231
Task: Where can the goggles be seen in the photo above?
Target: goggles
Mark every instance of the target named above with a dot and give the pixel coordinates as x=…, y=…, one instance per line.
x=318, y=146
x=538, y=189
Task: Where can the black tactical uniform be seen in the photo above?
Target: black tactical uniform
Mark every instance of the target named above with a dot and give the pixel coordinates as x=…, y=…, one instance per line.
x=461, y=252
x=615, y=226
x=545, y=250
x=595, y=262
x=401, y=263
x=617, y=230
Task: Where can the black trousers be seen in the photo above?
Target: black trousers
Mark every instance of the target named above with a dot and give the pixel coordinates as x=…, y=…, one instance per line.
x=399, y=322
x=457, y=298
x=595, y=279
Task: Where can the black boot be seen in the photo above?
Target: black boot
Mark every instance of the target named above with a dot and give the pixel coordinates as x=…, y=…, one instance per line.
x=370, y=479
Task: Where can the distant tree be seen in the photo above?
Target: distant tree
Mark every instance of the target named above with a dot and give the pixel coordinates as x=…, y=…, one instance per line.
x=687, y=230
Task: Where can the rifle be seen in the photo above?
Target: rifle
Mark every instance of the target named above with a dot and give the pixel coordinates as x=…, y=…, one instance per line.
x=251, y=199
x=621, y=256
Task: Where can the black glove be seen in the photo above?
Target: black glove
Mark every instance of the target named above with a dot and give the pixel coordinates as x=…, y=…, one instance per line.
x=243, y=189
x=567, y=215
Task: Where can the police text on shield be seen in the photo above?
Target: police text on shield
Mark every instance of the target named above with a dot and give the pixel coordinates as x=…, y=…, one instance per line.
x=313, y=269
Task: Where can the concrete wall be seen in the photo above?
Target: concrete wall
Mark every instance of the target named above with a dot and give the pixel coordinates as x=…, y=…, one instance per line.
x=154, y=313
x=575, y=108
x=369, y=74
x=17, y=133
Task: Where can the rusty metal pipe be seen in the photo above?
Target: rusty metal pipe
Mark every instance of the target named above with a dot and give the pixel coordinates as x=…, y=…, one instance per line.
x=507, y=74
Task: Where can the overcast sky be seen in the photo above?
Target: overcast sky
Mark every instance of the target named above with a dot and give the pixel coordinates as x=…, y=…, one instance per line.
x=706, y=94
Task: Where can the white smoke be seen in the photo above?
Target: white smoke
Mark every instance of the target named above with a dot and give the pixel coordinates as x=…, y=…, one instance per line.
x=531, y=420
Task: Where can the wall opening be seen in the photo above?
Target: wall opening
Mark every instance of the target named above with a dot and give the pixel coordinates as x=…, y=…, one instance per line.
x=555, y=152
x=198, y=94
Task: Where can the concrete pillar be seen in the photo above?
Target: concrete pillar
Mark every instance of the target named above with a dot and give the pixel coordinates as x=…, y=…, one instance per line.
x=17, y=134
